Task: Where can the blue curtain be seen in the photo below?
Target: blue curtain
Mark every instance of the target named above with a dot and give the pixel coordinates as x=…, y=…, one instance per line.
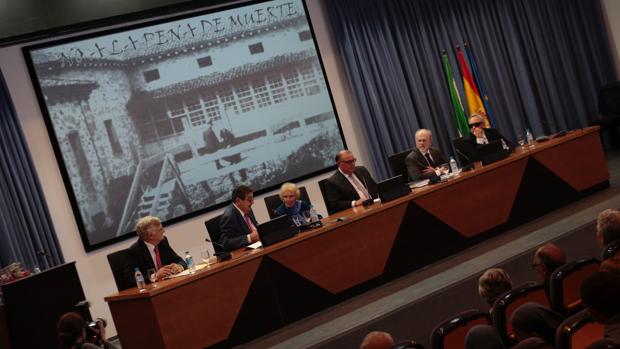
x=542, y=63
x=26, y=231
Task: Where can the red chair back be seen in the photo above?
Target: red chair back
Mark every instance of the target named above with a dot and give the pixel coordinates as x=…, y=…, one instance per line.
x=578, y=331
x=507, y=303
x=450, y=334
x=565, y=283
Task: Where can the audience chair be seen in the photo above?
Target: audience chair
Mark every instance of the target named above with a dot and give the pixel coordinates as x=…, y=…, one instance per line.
x=507, y=303
x=120, y=263
x=397, y=163
x=408, y=344
x=213, y=229
x=450, y=334
x=578, y=331
x=611, y=250
x=565, y=282
x=273, y=201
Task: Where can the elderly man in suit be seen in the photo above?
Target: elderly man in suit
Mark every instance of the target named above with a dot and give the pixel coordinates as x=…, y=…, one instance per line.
x=152, y=251
x=237, y=223
x=423, y=162
x=349, y=186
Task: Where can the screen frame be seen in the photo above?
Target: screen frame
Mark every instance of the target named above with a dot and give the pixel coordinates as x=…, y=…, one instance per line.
x=121, y=26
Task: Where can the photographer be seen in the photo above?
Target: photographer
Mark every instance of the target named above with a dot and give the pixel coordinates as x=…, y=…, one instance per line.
x=72, y=333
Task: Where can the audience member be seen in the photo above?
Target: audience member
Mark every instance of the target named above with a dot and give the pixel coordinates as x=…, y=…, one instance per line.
x=608, y=227
x=152, y=251
x=377, y=340
x=423, y=162
x=71, y=329
x=349, y=186
x=547, y=259
x=479, y=136
x=534, y=320
x=611, y=265
x=483, y=337
x=600, y=293
x=493, y=283
x=533, y=343
x=237, y=223
x=291, y=205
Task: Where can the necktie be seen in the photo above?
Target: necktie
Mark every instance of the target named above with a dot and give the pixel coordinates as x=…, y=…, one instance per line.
x=430, y=161
x=359, y=187
x=248, y=221
x=157, y=258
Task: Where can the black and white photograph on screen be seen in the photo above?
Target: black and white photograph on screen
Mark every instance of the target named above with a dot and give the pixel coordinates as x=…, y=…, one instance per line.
x=166, y=119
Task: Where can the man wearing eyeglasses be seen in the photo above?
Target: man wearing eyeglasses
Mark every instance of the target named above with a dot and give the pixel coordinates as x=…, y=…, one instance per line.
x=237, y=223
x=479, y=136
x=350, y=186
x=423, y=162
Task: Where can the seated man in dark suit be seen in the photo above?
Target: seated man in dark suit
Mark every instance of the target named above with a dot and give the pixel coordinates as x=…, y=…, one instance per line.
x=479, y=137
x=350, y=186
x=152, y=251
x=237, y=223
x=423, y=161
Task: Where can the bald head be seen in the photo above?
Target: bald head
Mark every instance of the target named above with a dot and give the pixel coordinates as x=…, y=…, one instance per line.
x=377, y=340
x=547, y=259
x=423, y=139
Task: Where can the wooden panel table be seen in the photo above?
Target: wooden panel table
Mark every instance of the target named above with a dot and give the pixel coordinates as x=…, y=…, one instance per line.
x=261, y=290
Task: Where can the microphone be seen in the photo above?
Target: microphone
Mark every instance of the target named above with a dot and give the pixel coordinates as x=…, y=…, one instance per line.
x=469, y=164
x=222, y=255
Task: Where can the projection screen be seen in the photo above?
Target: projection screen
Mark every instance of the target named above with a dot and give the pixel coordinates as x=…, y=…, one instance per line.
x=165, y=118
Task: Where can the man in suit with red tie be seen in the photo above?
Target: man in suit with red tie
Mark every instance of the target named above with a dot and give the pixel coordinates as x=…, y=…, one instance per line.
x=152, y=251
x=237, y=223
x=423, y=162
x=350, y=186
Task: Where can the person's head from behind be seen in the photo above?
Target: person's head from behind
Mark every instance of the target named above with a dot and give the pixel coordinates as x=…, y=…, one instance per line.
x=600, y=293
x=150, y=230
x=535, y=320
x=243, y=198
x=608, y=227
x=71, y=329
x=346, y=161
x=423, y=140
x=493, y=283
x=377, y=340
x=547, y=259
x=476, y=125
x=289, y=194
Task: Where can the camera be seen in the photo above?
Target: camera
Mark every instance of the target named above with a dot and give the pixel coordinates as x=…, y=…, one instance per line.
x=93, y=332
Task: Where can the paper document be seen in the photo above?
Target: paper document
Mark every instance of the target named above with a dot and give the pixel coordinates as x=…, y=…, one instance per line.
x=255, y=245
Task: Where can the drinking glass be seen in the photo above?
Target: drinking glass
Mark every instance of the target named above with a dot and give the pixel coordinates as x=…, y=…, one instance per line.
x=443, y=168
x=152, y=274
x=521, y=141
x=206, y=257
x=307, y=216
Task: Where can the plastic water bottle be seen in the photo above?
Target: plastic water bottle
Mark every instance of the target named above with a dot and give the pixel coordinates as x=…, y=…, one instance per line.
x=529, y=138
x=314, y=216
x=453, y=166
x=140, y=284
x=190, y=262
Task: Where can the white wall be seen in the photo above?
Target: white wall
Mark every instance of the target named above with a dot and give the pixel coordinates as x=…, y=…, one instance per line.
x=93, y=267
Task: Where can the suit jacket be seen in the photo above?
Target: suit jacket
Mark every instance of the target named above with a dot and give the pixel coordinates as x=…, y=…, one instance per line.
x=140, y=257
x=339, y=192
x=234, y=229
x=416, y=163
x=469, y=147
